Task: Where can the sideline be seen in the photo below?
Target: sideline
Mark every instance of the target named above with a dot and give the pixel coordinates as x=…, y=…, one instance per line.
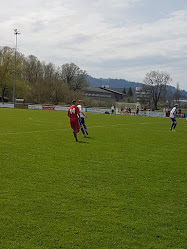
x=68, y=128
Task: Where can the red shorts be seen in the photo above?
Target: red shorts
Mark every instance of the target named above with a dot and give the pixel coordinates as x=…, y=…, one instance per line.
x=74, y=122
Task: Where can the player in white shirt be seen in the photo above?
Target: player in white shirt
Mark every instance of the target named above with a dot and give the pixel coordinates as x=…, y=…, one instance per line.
x=172, y=116
x=81, y=120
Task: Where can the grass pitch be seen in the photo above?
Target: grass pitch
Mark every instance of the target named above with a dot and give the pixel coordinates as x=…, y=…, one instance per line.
x=121, y=187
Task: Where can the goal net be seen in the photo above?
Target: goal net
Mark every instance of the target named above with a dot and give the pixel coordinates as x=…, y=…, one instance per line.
x=126, y=108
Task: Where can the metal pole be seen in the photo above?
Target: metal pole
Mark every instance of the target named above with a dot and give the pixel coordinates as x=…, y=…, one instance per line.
x=16, y=32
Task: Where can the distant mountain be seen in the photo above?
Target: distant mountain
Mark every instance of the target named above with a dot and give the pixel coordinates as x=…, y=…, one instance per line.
x=112, y=83
x=183, y=94
x=121, y=83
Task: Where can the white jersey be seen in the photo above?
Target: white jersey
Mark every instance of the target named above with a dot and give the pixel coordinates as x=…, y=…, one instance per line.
x=172, y=112
x=80, y=109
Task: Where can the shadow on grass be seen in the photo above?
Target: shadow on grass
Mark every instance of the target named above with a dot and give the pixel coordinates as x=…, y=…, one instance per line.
x=87, y=138
x=181, y=131
x=82, y=142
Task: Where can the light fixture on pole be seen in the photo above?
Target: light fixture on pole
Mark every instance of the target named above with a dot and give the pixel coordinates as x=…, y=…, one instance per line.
x=16, y=32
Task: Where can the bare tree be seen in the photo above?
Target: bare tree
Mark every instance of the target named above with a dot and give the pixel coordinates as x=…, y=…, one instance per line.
x=143, y=96
x=37, y=81
x=33, y=70
x=169, y=98
x=156, y=82
x=177, y=93
x=74, y=76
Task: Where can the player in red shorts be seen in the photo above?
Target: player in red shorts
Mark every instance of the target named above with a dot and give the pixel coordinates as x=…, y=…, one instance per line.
x=74, y=114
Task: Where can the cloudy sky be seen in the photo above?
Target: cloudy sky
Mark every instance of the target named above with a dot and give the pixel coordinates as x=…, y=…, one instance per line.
x=122, y=39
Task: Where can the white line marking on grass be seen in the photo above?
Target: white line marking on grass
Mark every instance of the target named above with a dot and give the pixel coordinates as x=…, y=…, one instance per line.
x=30, y=132
x=39, y=121
x=62, y=129
x=65, y=129
x=103, y=126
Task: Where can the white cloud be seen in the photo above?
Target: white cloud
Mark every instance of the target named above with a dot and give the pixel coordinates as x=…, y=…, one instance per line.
x=104, y=37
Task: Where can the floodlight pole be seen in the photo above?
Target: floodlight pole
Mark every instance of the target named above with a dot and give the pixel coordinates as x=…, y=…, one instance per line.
x=16, y=32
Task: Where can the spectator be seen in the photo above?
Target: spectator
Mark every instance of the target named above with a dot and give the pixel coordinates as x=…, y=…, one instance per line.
x=137, y=110
x=112, y=109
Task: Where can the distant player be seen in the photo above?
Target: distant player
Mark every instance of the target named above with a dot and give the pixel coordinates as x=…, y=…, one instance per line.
x=137, y=110
x=82, y=121
x=172, y=116
x=74, y=115
x=112, y=109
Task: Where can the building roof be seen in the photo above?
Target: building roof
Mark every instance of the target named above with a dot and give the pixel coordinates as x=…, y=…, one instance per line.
x=112, y=91
x=95, y=89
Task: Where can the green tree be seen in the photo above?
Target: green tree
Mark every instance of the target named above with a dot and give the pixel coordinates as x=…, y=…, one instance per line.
x=130, y=93
x=39, y=82
x=6, y=70
x=7, y=56
x=124, y=90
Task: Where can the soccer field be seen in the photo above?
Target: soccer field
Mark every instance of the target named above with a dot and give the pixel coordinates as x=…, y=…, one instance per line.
x=124, y=186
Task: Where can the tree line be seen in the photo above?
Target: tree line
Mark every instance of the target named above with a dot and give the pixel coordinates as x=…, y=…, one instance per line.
x=39, y=82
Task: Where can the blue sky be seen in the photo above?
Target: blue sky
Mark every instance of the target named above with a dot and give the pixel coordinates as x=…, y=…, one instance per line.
x=122, y=39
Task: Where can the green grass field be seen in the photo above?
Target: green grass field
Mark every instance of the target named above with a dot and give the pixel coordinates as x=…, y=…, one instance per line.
x=124, y=186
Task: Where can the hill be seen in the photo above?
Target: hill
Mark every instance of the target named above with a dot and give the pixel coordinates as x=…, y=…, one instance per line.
x=113, y=83
x=121, y=83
